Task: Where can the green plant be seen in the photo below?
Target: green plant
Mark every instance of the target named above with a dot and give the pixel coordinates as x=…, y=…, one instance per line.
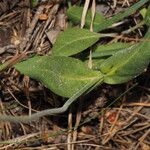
x=70, y=77
x=34, y=3
x=100, y=23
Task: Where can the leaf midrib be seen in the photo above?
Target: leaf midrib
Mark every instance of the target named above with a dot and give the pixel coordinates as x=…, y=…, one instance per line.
x=73, y=78
x=126, y=61
x=82, y=38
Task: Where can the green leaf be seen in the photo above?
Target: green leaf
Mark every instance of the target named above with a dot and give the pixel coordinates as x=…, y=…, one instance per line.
x=63, y=75
x=143, y=12
x=95, y=63
x=106, y=50
x=73, y=41
x=127, y=64
x=102, y=52
x=147, y=17
x=75, y=13
x=107, y=23
x=34, y=3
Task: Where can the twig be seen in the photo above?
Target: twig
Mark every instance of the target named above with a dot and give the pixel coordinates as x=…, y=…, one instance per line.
x=78, y=118
x=138, y=104
x=69, y=139
x=12, y=61
x=6, y=48
x=31, y=28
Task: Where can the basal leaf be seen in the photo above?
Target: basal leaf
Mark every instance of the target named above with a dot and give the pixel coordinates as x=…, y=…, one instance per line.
x=107, y=23
x=75, y=13
x=73, y=41
x=127, y=64
x=63, y=75
x=102, y=52
x=106, y=50
x=147, y=17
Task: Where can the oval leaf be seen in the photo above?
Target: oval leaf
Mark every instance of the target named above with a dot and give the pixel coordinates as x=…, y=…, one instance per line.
x=73, y=41
x=63, y=75
x=102, y=52
x=75, y=14
x=106, y=23
x=109, y=49
x=147, y=17
x=127, y=64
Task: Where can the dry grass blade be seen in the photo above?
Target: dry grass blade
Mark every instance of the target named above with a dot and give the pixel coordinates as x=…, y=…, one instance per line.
x=85, y=9
x=139, y=104
x=93, y=11
x=69, y=138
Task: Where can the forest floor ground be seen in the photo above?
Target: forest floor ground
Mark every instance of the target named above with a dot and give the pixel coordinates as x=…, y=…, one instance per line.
x=111, y=117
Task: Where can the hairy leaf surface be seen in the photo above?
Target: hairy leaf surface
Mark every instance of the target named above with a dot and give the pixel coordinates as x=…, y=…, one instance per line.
x=73, y=41
x=127, y=64
x=95, y=63
x=102, y=52
x=106, y=50
x=63, y=75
